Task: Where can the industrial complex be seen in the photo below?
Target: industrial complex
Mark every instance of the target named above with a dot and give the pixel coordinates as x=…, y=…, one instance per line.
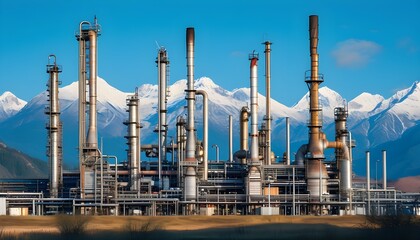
x=251, y=182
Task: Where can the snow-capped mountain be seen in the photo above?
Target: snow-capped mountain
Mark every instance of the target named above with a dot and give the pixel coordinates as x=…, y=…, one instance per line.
x=10, y=105
x=373, y=120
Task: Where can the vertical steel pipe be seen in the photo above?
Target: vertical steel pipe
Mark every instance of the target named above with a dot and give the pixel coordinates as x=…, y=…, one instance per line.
x=287, y=141
x=205, y=131
x=254, y=106
x=54, y=130
x=190, y=173
x=268, y=118
x=384, y=185
x=230, y=139
x=367, y=170
x=368, y=181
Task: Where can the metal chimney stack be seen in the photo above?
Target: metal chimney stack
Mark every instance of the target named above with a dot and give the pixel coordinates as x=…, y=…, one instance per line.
x=316, y=173
x=54, y=127
x=253, y=180
x=254, y=106
x=190, y=173
x=163, y=64
x=88, y=144
x=268, y=118
x=133, y=138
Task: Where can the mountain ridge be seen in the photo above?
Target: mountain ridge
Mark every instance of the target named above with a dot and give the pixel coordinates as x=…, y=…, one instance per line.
x=367, y=124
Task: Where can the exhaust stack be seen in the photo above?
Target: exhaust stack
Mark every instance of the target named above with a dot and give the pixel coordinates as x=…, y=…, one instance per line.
x=190, y=173
x=133, y=137
x=316, y=173
x=54, y=127
x=254, y=106
x=253, y=180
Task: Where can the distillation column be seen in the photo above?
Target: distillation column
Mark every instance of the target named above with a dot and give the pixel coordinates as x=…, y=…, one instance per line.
x=316, y=173
x=88, y=144
x=162, y=64
x=342, y=153
x=190, y=158
x=54, y=127
x=133, y=140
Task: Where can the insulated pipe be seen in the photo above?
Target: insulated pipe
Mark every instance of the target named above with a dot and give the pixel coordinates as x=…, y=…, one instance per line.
x=254, y=106
x=244, y=132
x=133, y=137
x=190, y=174
x=92, y=137
x=205, y=130
x=54, y=152
x=267, y=103
x=230, y=139
x=287, y=141
x=384, y=169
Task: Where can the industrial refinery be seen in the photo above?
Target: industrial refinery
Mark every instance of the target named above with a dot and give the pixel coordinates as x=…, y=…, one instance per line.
x=252, y=181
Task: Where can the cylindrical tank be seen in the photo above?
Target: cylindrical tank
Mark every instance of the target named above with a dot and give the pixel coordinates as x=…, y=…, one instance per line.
x=243, y=129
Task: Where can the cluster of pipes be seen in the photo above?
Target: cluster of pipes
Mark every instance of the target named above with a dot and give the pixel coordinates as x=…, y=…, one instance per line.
x=310, y=155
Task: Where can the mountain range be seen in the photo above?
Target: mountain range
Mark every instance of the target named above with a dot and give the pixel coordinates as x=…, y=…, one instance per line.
x=376, y=123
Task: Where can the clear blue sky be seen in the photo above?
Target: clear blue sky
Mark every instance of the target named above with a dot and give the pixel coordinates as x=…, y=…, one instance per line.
x=371, y=46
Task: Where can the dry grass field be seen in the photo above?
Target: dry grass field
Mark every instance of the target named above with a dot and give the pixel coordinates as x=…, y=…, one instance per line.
x=201, y=227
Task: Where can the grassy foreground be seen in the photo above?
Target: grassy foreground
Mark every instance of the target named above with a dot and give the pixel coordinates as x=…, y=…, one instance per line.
x=214, y=227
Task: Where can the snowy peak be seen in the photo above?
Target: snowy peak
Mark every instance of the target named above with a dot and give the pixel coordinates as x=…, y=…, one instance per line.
x=328, y=99
x=365, y=102
x=10, y=105
x=405, y=103
x=205, y=82
x=111, y=95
